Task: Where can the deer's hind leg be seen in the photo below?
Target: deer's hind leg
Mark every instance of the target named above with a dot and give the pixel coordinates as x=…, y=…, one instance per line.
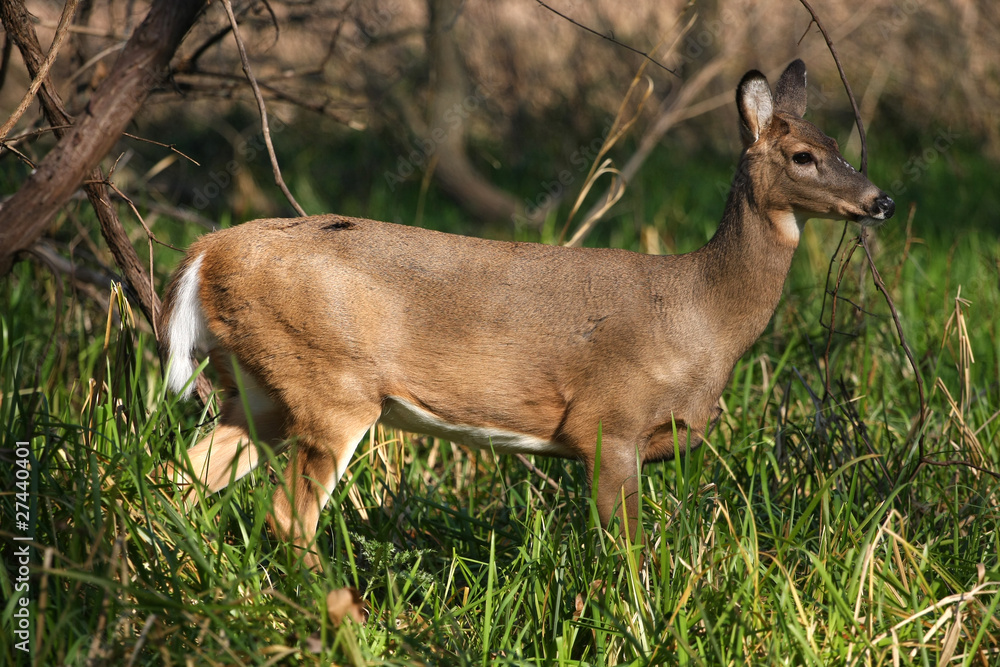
x=321, y=450
x=228, y=453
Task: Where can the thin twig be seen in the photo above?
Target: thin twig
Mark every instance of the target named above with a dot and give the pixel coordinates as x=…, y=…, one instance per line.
x=322, y=108
x=847, y=87
x=191, y=81
x=833, y=306
x=876, y=277
x=191, y=62
x=533, y=468
x=146, y=627
x=89, y=31
x=954, y=462
x=674, y=109
x=149, y=233
x=173, y=148
x=880, y=285
x=150, y=237
x=335, y=37
x=907, y=244
x=24, y=158
x=829, y=269
x=861, y=433
x=34, y=133
x=56, y=261
x=43, y=72
x=607, y=37
x=262, y=108
x=93, y=60
x=274, y=21
x=858, y=308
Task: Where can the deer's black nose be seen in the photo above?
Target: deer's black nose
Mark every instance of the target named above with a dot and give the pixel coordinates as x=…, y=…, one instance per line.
x=884, y=207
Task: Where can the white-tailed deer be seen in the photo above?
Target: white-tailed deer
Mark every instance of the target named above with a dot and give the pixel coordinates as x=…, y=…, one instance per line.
x=336, y=323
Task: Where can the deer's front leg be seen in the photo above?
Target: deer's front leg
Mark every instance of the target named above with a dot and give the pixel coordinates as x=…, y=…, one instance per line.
x=320, y=455
x=617, y=490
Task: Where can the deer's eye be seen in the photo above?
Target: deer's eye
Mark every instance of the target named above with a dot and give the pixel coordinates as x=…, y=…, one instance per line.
x=802, y=158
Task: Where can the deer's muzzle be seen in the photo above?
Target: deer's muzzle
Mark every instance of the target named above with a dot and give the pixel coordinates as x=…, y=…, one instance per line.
x=882, y=209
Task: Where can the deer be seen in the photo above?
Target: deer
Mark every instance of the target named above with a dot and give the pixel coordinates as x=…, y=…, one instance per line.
x=320, y=327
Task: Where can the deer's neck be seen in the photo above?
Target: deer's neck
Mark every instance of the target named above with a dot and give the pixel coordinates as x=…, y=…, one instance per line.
x=744, y=268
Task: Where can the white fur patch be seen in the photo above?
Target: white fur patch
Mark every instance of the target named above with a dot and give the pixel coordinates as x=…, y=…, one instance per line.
x=846, y=163
x=404, y=415
x=344, y=460
x=341, y=463
x=758, y=102
x=869, y=221
x=787, y=223
x=186, y=331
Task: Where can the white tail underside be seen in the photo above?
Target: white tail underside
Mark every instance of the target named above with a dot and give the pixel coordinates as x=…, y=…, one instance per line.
x=187, y=333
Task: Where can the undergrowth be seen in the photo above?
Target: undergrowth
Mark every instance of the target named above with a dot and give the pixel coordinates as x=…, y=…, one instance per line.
x=802, y=533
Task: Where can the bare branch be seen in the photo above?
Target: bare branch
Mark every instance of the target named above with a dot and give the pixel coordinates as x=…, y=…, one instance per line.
x=847, y=86
x=27, y=160
x=964, y=464
x=880, y=285
x=917, y=431
x=678, y=106
x=191, y=62
x=262, y=108
x=67, y=15
x=143, y=64
x=8, y=44
x=538, y=471
x=80, y=275
x=172, y=147
x=190, y=81
x=610, y=38
x=832, y=328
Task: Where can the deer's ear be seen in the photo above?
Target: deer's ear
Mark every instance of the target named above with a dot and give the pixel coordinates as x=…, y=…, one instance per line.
x=790, y=93
x=753, y=99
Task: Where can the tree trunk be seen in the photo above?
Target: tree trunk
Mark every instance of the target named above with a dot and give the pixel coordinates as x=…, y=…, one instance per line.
x=451, y=102
x=143, y=64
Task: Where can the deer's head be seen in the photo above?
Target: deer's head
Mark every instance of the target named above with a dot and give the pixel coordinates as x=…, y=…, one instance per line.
x=793, y=170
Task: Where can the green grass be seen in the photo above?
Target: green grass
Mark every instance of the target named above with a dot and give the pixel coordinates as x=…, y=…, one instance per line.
x=790, y=538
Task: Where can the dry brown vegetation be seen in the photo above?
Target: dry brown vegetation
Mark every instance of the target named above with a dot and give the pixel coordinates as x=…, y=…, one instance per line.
x=915, y=64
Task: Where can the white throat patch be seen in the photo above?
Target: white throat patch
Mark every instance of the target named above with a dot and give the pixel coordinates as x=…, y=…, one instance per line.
x=788, y=225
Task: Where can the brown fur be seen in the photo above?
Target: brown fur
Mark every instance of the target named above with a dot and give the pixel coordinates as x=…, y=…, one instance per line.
x=328, y=317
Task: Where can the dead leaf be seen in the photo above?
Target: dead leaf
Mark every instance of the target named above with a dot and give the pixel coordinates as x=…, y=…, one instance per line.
x=346, y=603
